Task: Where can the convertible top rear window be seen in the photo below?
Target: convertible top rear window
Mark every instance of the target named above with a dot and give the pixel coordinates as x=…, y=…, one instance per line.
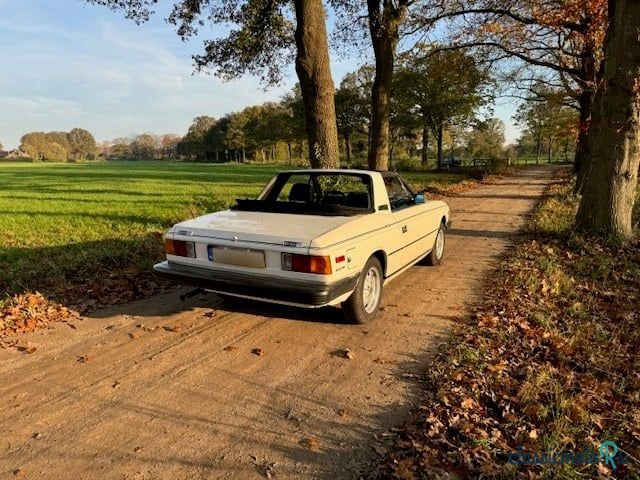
x=314, y=193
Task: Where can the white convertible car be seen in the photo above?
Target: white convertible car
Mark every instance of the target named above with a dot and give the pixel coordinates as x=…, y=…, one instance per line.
x=312, y=238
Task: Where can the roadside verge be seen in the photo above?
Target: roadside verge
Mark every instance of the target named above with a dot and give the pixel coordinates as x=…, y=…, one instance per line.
x=542, y=380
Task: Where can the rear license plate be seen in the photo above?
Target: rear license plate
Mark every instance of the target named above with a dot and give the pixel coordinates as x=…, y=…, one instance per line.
x=243, y=257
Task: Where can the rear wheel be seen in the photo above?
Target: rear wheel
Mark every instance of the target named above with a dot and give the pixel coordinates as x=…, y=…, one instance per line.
x=363, y=304
x=437, y=252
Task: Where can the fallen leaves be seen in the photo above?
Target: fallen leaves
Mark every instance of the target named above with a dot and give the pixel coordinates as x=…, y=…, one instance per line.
x=28, y=349
x=548, y=361
x=210, y=313
x=30, y=312
x=344, y=353
x=310, y=443
x=82, y=359
x=498, y=367
x=174, y=328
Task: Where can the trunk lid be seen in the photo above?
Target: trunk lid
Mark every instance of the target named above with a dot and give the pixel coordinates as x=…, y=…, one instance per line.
x=260, y=227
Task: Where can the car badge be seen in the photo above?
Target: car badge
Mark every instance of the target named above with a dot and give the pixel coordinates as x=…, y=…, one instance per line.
x=235, y=239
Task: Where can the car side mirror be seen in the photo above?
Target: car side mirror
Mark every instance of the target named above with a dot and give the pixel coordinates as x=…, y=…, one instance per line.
x=419, y=198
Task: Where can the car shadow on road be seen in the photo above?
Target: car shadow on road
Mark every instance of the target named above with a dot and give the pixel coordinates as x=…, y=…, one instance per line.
x=252, y=307
x=506, y=196
x=169, y=303
x=463, y=232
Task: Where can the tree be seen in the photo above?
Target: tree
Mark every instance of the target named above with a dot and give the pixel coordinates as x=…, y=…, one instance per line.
x=81, y=144
x=291, y=125
x=544, y=117
x=33, y=144
x=385, y=18
x=486, y=139
x=1, y=146
x=55, y=152
x=58, y=147
x=260, y=41
x=314, y=73
x=562, y=38
x=50, y=146
x=352, y=112
x=169, y=145
x=197, y=142
x=120, y=148
x=437, y=98
x=614, y=142
x=235, y=138
x=144, y=147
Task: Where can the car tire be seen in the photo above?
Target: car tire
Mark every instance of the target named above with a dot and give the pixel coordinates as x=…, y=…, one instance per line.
x=436, y=254
x=364, y=303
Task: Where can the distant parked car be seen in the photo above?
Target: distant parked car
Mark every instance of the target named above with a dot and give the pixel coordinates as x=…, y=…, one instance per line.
x=448, y=162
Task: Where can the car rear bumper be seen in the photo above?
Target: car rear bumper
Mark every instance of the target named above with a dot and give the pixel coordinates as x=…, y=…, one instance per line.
x=257, y=287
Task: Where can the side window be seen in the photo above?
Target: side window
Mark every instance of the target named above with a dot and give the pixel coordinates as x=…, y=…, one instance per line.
x=399, y=195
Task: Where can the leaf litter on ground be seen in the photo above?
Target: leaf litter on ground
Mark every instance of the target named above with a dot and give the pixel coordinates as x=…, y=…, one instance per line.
x=548, y=362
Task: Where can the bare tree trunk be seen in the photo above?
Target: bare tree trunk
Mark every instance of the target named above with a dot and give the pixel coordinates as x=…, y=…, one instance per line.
x=290, y=154
x=614, y=140
x=453, y=143
x=439, y=139
x=549, y=150
x=588, y=79
x=385, y=18
x=538, y=147
x=316, y=83
x=347, y=147
x=425, y=145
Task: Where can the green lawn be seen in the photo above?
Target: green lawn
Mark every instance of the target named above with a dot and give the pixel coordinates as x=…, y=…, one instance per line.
x=66, y=227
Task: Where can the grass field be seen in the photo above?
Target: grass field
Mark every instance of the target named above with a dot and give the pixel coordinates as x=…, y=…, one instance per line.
x=73, y=228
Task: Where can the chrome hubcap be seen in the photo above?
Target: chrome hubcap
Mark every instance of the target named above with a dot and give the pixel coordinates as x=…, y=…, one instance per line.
x=439, y=244
x=371, y=290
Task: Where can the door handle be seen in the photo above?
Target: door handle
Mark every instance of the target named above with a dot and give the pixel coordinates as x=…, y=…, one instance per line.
x=404, y=229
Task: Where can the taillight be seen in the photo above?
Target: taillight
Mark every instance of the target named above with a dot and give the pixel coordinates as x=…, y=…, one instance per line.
x=180, y=248
x=306, y=263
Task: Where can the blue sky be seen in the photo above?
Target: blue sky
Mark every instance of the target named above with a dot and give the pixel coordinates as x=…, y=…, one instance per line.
x=66, y=64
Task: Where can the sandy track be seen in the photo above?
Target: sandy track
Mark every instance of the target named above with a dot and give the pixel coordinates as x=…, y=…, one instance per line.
x=165, y=389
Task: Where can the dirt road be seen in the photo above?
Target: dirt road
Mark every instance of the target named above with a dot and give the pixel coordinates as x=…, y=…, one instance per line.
x=172, y=390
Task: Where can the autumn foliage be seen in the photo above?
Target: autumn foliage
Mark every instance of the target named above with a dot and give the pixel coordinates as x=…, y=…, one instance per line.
x=549, y=362
x=31, y=311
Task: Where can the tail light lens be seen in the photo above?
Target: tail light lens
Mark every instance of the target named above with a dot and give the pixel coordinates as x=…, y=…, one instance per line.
x=306, y=263
x=180, y=248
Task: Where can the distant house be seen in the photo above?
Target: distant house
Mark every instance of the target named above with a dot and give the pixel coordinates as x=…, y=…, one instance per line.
x=13, y=154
